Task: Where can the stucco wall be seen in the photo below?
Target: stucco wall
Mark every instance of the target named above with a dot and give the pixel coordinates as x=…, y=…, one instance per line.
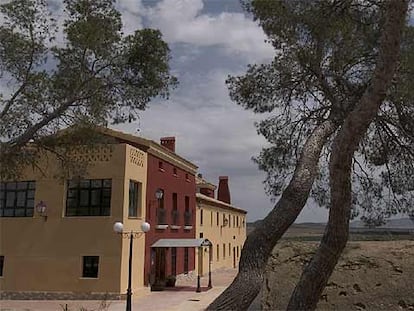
x=46, y=254
x=220, y=234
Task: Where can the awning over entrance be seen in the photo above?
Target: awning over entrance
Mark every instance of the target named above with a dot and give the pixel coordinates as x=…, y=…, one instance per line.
x=181, y=243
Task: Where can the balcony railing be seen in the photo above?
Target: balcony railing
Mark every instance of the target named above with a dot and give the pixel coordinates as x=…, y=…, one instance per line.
x=175, y=217
x=188, y=219
x=161, y=216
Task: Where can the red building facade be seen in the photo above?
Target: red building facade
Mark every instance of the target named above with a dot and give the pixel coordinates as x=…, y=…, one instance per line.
x=172, y=214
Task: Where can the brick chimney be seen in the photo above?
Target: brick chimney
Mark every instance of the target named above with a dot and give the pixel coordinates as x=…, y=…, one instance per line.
x=223, y=189
x=168, y=142
x=205, y=187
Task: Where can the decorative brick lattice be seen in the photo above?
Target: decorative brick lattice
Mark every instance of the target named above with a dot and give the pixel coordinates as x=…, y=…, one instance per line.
x=136, y=157
x=91, y=154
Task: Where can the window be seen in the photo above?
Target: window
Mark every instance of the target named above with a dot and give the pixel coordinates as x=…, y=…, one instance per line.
x=237, y=219
x=1, y=265
x=89, y=197
x=201, y=235
x=187, y=202
x=90, y=266
x=134, y=209
x=161, y=166
x=218, y=219
x=174, y=212
x=186, y=177
x=17, y=199
x=224, y=250
x=229, y=249
x=175, y=171
x=186, y=260
x=161, y=216
x=187, y=214
x=211, y=219
x=201, y=217
x=218, y=252
x=174, y=261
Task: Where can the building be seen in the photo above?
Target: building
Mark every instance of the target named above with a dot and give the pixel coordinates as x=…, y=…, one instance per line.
x=171, y=215
x=221, y=223
x=57, y=238
x=60, y=229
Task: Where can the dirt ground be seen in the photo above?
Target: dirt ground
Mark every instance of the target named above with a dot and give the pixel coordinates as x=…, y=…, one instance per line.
x=371, y=275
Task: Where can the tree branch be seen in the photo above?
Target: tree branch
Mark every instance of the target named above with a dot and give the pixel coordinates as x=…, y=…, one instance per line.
x=26, y=77
x=316, y=274
x=260, y=243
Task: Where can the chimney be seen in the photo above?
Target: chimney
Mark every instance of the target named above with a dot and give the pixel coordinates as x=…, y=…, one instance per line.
x=223, y=189
x=208, y=192
x=168, y=142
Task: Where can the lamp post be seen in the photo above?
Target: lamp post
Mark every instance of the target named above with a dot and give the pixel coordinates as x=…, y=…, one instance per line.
x=119, y=228
x=210, y=259
x=200, y=254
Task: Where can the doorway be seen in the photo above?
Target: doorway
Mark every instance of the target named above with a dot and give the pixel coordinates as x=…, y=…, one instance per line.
x=234, y=257
x=160, y=277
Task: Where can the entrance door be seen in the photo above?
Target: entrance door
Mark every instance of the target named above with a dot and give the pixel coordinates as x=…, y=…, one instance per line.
x=160, y=265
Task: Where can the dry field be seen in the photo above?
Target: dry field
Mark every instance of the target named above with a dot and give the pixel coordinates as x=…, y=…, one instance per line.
x=371, y=275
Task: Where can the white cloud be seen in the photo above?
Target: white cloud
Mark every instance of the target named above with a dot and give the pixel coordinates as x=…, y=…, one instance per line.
x=181, y=21
x=218, y=136
x=214, y=133
x=132, y=11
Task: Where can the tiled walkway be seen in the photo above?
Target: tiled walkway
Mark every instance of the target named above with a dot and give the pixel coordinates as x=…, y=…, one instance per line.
x=182, y=297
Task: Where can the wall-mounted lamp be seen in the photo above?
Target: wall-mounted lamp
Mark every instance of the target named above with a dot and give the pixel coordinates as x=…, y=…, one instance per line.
x=41, y=209
x=159, y=194
x=225, y=222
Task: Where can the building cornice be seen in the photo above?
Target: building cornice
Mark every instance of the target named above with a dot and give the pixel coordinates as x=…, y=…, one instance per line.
x=151, y=147
x=201, y=198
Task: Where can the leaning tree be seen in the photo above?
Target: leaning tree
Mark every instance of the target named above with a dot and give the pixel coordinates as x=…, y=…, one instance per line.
x=85, y=72
x=328, y=55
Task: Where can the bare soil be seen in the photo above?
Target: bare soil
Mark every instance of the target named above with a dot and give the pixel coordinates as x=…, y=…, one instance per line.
x=371, y=275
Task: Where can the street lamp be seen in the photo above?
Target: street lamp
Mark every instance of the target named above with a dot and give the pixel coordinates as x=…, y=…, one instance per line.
x=119, y=228
x=210, y=259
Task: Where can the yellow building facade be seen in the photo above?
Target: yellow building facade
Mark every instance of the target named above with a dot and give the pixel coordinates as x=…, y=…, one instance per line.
x=223, y=225
x=56, y=234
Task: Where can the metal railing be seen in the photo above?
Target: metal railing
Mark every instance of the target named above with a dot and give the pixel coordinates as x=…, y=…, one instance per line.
x=161, y=216
x=175, y=217
x=188, y=219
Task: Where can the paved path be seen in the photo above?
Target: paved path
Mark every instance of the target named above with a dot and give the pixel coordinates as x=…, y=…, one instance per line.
x=182, y=298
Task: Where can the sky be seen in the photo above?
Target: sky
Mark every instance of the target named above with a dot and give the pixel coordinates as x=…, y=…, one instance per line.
x=209, y=40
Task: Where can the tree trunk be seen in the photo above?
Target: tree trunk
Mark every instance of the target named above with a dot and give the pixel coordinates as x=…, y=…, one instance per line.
x=260, y=243
x=315, y=276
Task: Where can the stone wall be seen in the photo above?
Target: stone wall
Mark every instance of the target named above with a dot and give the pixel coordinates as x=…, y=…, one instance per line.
x=7, y=295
